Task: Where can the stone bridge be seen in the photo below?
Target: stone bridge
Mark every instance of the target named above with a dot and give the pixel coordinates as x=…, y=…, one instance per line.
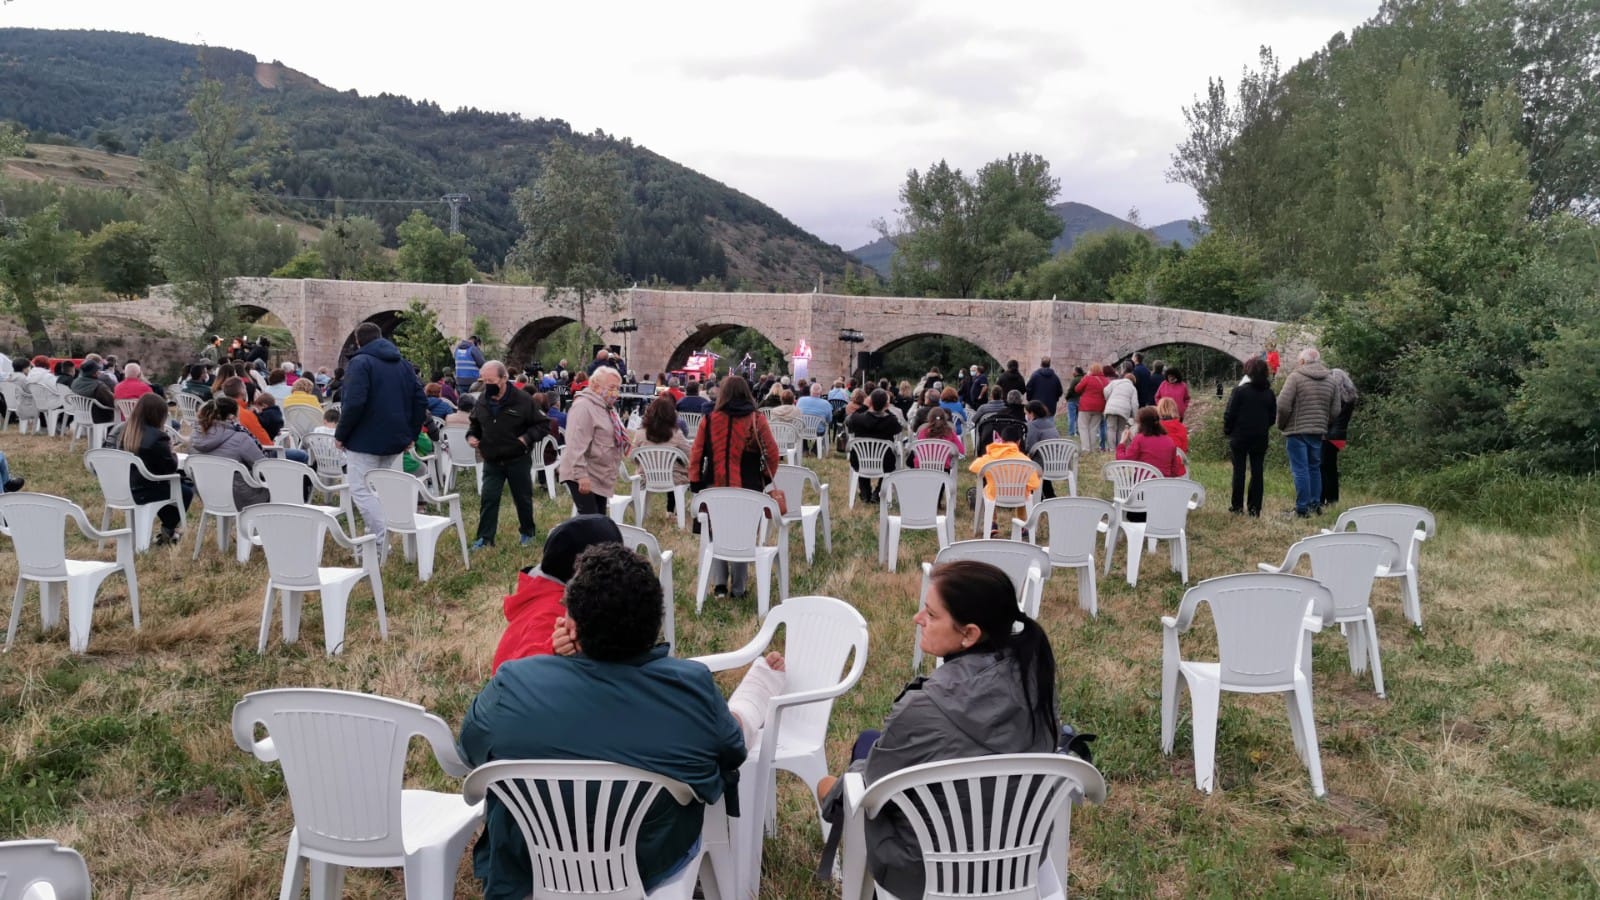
x=322, y=315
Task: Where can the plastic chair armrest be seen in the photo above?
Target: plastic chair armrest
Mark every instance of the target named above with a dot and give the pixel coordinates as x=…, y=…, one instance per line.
x=264, y=750
x=437, y=498
x=1268, y=567
x=854, y=791
x=443, y=742
x=732, y=659
x=1017, y=526
x=1313, y=623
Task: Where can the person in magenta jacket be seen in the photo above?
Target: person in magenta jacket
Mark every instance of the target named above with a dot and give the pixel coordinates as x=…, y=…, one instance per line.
x=1147, y=442
x=1177, y=389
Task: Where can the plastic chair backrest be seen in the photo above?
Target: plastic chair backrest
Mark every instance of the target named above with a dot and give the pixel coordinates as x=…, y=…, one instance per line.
x=285, y=479
x=985, y=824
x=634, y=537
x=1346, y=563
x=189, y=404
x=25, y=864
x=934, y=454
x=343, y=756
x=657, y=464
x=814, y=425
x=736, y=515
x=792, y=480
x=820, y=635
x=301, y=419
x=292, y=536
x=37, y=525
x=1010, y=480
x=917, y=492
x=324, y=452
x=79, y=405
x=1124, y=474
x=213, y=478
x=1057, y=457
x=397, y=495
x=1260, y=620
x=125, y=408
x=1166, y=502
x=787, y=436
x=1012, y=557
x=1406, y=525
x=114, y=470
x=869, y=454
x=691, y=421
x=1074, y=526
x=44, y=397
x=579, y=820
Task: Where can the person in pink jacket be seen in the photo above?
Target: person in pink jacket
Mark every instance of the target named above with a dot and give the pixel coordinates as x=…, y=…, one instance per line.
x=1147, y=442
x=1175, y=388
x=596, y=443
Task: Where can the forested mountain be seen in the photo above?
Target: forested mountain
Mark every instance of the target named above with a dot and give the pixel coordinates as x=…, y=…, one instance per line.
x=1178, y=231
x=1077, y=220
x=122, y=91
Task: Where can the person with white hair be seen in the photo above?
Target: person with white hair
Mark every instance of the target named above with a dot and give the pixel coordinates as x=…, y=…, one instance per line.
x=132, y=386
x=1307, y=407
x=596, y=443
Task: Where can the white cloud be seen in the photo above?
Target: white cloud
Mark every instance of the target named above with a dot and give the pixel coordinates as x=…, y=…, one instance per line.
x=816, y=107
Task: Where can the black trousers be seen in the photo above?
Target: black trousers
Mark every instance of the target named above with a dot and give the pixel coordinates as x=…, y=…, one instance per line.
x=590, y=504
x=518, y=474
x=1252, y=450
x=1330, y=474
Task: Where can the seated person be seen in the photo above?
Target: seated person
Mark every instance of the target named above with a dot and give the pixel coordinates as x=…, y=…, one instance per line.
x=692, y=402
x=994, y=694
x=408, y=460
x=88, y=384
x=813, y=404
x=462, y=415
x=1173, y=425
x=265, y=406
x=304, y=393
x=330, y=422
x=874, y=421
x=621, y=699
x=1147, y=442
x=534, y=608
x=938, y=428
x=437, y=405
x=1007, y=444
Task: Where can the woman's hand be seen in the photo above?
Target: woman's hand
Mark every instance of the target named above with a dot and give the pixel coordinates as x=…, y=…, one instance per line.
x=585, y=485
x=564, y=640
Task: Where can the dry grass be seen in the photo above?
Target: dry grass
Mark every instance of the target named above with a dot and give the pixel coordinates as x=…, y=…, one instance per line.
x=1480, y=775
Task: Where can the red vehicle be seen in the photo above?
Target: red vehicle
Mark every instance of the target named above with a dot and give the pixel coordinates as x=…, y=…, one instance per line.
x=700, y=367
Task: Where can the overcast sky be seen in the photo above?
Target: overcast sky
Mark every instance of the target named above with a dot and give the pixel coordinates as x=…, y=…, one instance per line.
x=816, y=107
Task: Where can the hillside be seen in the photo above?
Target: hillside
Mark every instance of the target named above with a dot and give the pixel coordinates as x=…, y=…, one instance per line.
x=121, y=91
x=1180, y=231
x=1077, y=220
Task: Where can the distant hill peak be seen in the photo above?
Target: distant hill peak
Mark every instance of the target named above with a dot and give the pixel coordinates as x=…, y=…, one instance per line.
x=275, y=76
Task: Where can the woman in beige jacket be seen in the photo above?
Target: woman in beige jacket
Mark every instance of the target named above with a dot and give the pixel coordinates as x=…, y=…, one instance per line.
x=596, y=443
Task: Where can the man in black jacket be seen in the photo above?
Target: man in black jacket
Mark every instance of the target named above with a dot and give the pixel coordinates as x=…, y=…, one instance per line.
x=1011, y=379
x=875, y=421
x=1044, y=386
x=506, y=426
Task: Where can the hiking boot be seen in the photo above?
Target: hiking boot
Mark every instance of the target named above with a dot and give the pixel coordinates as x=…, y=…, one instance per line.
x=526, y=540
x=14, y=485
x=166, y=537
x=480, y=544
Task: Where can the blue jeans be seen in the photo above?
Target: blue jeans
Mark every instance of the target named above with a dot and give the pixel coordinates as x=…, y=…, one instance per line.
x=5, y=473
x=1072, y=418
x=1305, y=464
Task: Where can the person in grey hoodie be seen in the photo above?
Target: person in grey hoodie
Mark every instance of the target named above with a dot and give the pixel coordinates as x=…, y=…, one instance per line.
x=221, y=435
x=994, y=694
x=1308, y=404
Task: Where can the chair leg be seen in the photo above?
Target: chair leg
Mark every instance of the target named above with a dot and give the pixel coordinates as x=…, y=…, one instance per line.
x=266, y=621
x=1308, y=726
x=705, y=576
x=681, y=501
x=292, y=602
x=1203, y=701
x=335, y=604
x=200, y=533
x=763, y=573
x=1413, y=598
x=327, y=881
x=891, y=541
x=425, y=544
x=294, y=869
x=50, y=603
x=16, y=610
x=461, y=531
x=1088, y=597
x=80, y=612
x=808, y=535
x=1371, y=628
x=1169, y=703
x=1135, y=555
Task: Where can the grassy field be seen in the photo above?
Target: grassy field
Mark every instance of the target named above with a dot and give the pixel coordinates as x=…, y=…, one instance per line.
x=1480, y=775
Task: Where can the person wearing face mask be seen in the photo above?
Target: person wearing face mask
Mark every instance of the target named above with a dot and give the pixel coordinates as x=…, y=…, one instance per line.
x=505, y=427
x=596, y=443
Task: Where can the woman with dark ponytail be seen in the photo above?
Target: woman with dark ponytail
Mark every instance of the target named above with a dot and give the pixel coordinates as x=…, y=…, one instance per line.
x=994, y=694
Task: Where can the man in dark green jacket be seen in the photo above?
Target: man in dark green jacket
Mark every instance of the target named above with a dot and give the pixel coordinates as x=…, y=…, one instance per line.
x=622, y=699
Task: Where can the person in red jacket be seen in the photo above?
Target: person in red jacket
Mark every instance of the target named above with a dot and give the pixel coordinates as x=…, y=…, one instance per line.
x=1092, y=407
x=1147, y=442
x=532, y=610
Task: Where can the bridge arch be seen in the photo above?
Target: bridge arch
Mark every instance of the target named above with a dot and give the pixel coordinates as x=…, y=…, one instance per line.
x=520, y=348
x=386, y=320
x=911, y=331
x=694, y=337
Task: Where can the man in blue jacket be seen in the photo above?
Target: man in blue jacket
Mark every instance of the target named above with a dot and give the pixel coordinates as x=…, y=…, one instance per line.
x=382, y=411
x=468, y=357
x=621, y=699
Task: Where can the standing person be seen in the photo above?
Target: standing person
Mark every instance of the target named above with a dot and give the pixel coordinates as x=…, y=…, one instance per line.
x=212, y=353
x=504, y=428
x=1045, y=386
x=382, y=409
x=145, y=436
x=1071, y=393
x=1011, y=379
x=596, y=443
x=1144, y=382
x=979, y=388
x=1175, y=388
x=468, y=356
x=1246, y=422
x=1308, y=405
x=1122, y=401
x=742, y=451
x=1272, y=359
x=1091, y=405
x=1338, y=430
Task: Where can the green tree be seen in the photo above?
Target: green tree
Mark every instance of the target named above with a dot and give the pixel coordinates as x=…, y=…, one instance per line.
x=122, y=257
x=13, y=139
x=1088, y=270
x=419, y=340
x=430, y=256
x=204, y=189
x=571, y=217
x=350, y=246
x=1218, y=274
x=489, y=343
x=36, y=254
x=305, y=264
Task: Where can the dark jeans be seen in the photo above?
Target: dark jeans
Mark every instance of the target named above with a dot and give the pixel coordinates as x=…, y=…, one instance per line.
x=518, y=473
x=590, y=504
x=1254, y=451
x=1330, y=473
x=168, y=515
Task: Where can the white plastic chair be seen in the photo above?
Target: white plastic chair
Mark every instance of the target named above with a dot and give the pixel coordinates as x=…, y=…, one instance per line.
x=1346, y=564
x=1123, y=475
x=1027, y=566
x=48, y=403
x=189, y=410
x=125, y=408
x=551, y=470
x=940, y=455
x=1166, y=503
x=398, y=494
x=114, y=470
x=732, y=523
x=213, y=483
x=917, y=492
x=1010, y=478
x=286, y=483
x=1008, y=830
x=821, y=634
x=1260, y=619
x=37, y=526
x=637, y=538
x=301, y=420
x=13, y=392
x=1408, y=526
x=793, y=480
x=588, y=851
x=618, y=504
x=292, y=538
x=788, y=438
x=464, y=456
x=81, y=410
x=814, y=431
x=868, y=462
x=28, y=866
x=1075, y=524
x=1058, y=459
x=327, y=458
x=343, y=756
x=691, y=421
x=657, y=465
